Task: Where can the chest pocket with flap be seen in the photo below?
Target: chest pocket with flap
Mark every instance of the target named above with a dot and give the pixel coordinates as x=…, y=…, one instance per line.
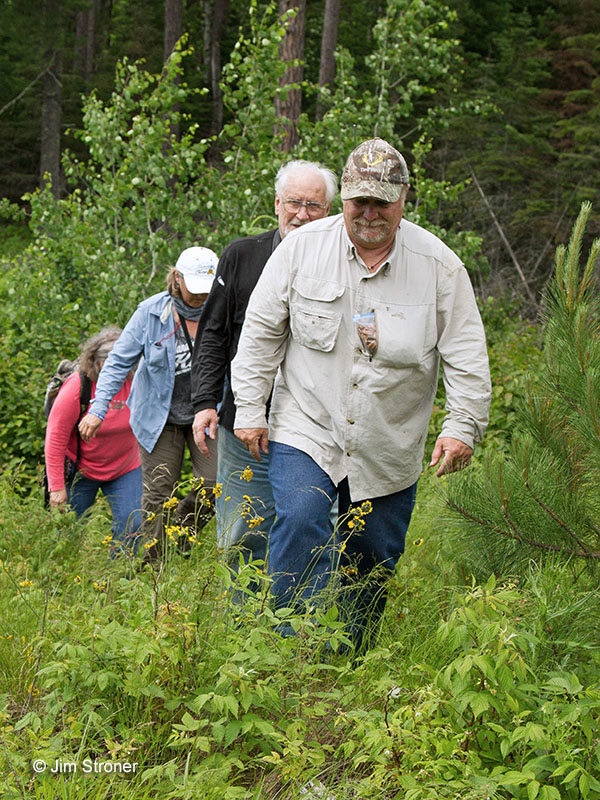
x=314, y=321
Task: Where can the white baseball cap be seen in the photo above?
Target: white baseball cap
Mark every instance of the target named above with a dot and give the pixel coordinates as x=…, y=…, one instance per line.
x=198, y=266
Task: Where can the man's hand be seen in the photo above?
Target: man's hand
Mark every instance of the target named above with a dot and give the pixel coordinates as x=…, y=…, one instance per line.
x=88, y=427
x=456, y=454
x=207, y=418
x=58, y=498
x=254, y=440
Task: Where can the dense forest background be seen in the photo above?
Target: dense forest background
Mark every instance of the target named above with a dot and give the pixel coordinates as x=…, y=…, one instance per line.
x=133, y=130
x=507, y=93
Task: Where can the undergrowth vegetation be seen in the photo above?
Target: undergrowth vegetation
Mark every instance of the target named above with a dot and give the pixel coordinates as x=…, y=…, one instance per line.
x=472, y=691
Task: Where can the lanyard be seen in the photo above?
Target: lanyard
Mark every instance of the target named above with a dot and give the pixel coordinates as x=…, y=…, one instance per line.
x=188, y=338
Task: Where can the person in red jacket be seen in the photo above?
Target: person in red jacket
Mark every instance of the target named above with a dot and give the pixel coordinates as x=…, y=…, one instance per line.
x=110, y=462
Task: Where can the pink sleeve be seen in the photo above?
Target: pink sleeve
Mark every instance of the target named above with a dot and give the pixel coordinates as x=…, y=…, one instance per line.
x=61, y=426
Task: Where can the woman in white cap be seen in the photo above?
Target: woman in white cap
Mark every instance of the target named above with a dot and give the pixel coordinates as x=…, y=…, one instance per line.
x=162, y=332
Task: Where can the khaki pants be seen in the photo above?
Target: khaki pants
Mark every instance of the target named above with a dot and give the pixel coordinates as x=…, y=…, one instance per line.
x=161, y=470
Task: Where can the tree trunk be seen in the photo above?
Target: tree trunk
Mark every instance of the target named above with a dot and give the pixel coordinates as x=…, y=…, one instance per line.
x=206, y=37
x=291, y=51
x=173, y=31
x=51, y=100
x=220, y=10
x=329, y=36
x=51, y=121
x=85, y=41
x=173, y=25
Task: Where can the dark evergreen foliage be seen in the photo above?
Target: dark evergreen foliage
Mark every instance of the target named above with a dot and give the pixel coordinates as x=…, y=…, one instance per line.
x=542, y=499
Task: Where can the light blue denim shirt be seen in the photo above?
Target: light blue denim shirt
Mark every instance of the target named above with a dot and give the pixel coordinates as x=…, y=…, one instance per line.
x=149, y=334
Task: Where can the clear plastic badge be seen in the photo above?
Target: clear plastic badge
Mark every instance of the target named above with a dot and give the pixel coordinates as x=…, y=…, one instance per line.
x=366, y=328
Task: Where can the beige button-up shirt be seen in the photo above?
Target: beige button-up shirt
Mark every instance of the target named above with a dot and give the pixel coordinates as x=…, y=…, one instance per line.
x=360, y=415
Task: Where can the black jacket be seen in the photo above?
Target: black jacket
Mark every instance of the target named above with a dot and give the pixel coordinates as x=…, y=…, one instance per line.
x=238, y=271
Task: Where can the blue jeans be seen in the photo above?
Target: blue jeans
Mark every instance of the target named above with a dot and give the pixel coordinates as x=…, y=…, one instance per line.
x=232, y=527
x=124, y=495
x=306, y=552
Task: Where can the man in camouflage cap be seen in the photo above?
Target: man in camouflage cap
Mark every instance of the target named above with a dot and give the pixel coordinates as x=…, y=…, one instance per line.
x=350, y=319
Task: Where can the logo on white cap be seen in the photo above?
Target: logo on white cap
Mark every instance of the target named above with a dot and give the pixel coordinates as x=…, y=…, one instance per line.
x=198, y=267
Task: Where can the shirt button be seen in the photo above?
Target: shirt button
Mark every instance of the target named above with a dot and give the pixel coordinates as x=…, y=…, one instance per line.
x=348, y=453
x=355, y=385
x=349, y=421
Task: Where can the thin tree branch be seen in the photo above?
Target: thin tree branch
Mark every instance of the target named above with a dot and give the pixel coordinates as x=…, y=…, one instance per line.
x=25, y=90
x=557, y=519
x=518, y=536
x=503, y=237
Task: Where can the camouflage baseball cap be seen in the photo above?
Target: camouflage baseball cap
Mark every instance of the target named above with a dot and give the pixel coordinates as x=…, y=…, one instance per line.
x=374, y=169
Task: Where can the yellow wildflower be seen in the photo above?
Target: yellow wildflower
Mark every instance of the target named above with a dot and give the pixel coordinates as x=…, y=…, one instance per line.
x=107, y=539
x=247, y=498
x=151, y=517
x=148, y=545
x=254, y=523
x=218, y=490
x=26, y=583
x=170, y=503
x=247, y=475
x=366, y=507
x=77, y=579
x=227, y=498
x=173, y=532
x=418, y=542
x=100, y=586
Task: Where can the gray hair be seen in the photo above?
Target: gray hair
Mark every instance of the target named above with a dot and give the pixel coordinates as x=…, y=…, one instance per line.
x=95, y=350
x=300, y=165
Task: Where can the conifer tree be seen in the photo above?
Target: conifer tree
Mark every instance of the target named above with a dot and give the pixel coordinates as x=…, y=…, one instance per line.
x=543, y=499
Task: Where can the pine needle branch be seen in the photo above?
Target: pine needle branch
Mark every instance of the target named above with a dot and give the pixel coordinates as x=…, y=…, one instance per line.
x=557, y=519
x=519, y=537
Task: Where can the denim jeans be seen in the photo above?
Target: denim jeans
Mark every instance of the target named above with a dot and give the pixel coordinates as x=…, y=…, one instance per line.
x=306, y=552
x=232, y=528
x=124, y=495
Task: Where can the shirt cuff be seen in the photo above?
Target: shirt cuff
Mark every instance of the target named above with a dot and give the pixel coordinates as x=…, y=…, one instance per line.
x=250, y=418
x=202, y=405
x=464, y=433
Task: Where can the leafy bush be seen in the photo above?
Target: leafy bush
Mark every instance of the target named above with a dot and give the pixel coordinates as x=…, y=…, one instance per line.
x=484, y=691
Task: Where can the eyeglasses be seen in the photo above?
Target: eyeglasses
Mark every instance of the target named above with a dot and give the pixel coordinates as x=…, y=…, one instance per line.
x=312, y=209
